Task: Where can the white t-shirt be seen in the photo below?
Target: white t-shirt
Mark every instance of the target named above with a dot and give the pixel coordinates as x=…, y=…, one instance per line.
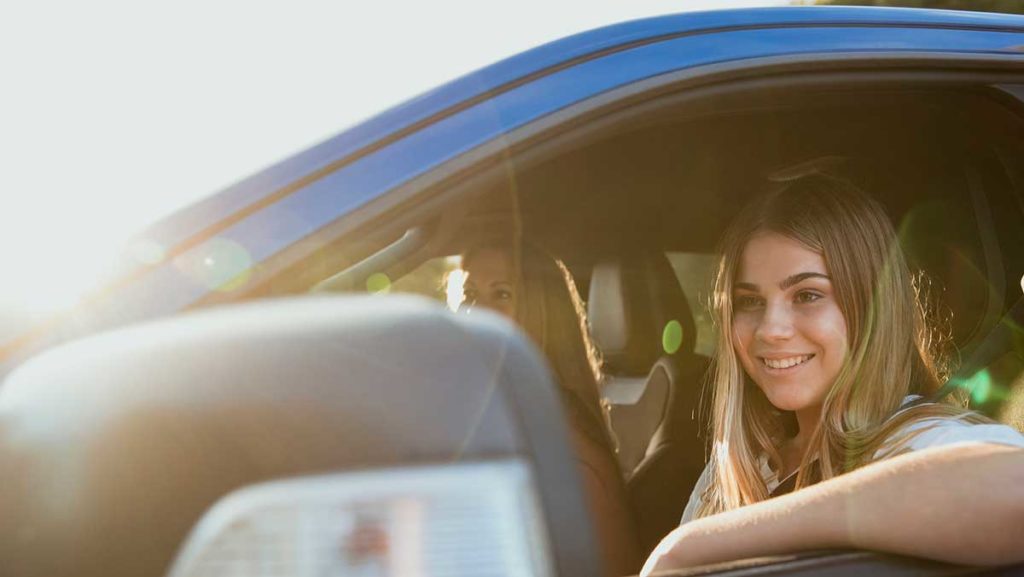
x=940, y=432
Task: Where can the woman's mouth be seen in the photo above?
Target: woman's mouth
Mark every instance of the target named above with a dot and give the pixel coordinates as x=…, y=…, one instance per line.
x=785, y=363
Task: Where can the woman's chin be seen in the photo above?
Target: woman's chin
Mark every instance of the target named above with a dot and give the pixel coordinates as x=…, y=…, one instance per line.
x=789, y=400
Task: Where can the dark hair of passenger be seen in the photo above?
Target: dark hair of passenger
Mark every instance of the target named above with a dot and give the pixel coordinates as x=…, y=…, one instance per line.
x=551, y=312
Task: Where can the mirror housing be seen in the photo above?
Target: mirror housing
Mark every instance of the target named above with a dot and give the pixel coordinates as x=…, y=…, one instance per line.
x=112, y=447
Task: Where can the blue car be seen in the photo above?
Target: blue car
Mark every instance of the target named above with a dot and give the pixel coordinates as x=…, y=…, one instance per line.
x=304, y=418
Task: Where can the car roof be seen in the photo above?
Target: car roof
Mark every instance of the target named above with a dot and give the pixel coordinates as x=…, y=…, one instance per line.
x=472, y=88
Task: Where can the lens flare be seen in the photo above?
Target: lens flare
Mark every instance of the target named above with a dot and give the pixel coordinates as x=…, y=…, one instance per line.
x=672, y=337
x=378, y=283
x=147, y=252
x=219, y=264
x=979, y=385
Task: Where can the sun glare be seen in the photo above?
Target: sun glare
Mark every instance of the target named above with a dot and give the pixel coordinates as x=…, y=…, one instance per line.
x=100, y=140
x=453, y=288
x=56, y=262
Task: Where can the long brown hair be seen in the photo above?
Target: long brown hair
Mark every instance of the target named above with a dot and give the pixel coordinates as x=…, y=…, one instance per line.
x=550, y=310
x=890, y=352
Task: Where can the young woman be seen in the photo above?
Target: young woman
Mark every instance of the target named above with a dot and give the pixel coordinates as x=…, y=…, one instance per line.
x=537, y=291
x=822, y=372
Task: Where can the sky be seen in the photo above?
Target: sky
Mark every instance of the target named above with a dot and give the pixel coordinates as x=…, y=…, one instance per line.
x=114, y=114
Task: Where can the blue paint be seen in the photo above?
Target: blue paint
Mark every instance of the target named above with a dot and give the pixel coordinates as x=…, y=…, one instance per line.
x=337, y=194
x=184, y=224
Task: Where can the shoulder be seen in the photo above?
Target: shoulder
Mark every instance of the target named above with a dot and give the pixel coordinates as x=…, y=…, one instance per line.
x=942, y=431
x=939, y=431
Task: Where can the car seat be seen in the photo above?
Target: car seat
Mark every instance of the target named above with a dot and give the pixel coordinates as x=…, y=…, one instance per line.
x=652, y=386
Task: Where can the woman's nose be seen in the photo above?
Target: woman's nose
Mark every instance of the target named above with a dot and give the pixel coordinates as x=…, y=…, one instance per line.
x=776, y=324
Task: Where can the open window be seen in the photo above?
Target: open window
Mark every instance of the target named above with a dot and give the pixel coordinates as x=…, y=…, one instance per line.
x=666, y=173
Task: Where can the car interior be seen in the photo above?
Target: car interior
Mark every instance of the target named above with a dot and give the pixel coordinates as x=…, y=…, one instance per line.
x=635, y=206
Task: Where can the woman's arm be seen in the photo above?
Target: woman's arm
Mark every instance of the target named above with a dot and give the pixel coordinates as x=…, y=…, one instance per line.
x=960, y=503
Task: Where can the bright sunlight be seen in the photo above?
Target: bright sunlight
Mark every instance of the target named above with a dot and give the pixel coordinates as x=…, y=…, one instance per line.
x=118, y=113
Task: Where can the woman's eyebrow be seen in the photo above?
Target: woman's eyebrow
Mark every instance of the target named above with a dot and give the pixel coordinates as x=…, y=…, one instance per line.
x=800, y=277
x=786, y=283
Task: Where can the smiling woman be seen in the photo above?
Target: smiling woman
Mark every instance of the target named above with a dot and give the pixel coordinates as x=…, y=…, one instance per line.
x=823, y=374
x=790, y=332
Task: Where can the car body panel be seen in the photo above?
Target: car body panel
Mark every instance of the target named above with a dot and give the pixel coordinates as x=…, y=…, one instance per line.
x=544, y=59
x=219, y=239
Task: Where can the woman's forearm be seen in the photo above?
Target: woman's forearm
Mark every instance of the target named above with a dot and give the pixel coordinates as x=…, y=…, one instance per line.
x=962, y=504
x=796, y=522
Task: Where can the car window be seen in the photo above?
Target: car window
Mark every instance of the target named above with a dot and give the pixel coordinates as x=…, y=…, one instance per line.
x=695, y=272
x=440, y=278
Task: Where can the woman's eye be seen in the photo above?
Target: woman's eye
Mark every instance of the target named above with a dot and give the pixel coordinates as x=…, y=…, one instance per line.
x=747, y=302
x=469, y=295
x=804, y=297
x=503, y=295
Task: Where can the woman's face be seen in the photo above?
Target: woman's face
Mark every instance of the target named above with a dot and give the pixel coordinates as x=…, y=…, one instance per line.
x=490, y=282
x=788, y=330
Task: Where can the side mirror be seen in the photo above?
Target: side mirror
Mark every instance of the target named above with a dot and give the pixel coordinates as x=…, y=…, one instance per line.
x=113, y=447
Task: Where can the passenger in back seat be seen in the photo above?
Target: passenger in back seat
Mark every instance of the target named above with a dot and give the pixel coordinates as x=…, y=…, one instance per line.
x=537, y=291
x=827, y=433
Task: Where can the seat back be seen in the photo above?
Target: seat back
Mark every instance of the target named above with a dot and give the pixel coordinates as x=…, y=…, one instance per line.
x=653, y=384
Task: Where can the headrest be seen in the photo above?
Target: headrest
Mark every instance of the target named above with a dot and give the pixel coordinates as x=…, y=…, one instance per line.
x=632, y=301
x=111, y=448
